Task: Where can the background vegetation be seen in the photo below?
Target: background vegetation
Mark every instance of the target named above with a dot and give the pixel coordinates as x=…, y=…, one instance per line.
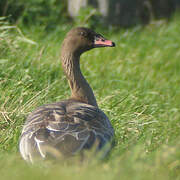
x=136, y=85
x=121, y=13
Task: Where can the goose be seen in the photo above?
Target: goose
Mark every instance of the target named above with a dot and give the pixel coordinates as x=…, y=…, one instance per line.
x=75, y=125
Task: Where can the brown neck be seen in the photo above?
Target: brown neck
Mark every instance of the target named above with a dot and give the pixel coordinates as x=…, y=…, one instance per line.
x=80, y=89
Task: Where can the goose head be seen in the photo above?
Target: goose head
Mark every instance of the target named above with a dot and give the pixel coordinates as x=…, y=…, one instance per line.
x=81, y=39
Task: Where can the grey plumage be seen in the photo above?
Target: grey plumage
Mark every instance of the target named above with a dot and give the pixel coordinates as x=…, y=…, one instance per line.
x=71, y=126
x=64, y=128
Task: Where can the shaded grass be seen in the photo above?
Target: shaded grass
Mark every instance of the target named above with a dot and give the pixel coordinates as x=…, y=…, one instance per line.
x=136, y=85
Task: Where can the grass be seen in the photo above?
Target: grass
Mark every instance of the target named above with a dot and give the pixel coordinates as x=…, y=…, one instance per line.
x=136, y=85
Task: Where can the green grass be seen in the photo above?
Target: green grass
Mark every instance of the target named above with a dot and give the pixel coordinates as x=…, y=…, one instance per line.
x=137, y=84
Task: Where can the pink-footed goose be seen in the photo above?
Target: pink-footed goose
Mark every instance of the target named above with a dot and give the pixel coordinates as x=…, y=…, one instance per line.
x=70, y=126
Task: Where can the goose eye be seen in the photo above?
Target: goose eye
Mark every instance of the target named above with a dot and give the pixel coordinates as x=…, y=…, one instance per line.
x=83, y=34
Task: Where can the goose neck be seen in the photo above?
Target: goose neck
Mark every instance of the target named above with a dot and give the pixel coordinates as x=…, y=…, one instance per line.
x=80, y=89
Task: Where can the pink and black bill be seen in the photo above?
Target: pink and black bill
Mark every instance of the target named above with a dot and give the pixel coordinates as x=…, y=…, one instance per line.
x=100, y=41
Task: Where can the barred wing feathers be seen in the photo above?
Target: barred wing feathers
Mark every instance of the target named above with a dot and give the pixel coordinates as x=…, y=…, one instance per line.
x=64, y=128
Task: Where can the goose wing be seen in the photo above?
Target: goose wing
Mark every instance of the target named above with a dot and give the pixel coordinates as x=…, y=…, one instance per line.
x=64, y=128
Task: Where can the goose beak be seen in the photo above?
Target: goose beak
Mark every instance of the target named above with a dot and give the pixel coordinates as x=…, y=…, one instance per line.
x=100, y=41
